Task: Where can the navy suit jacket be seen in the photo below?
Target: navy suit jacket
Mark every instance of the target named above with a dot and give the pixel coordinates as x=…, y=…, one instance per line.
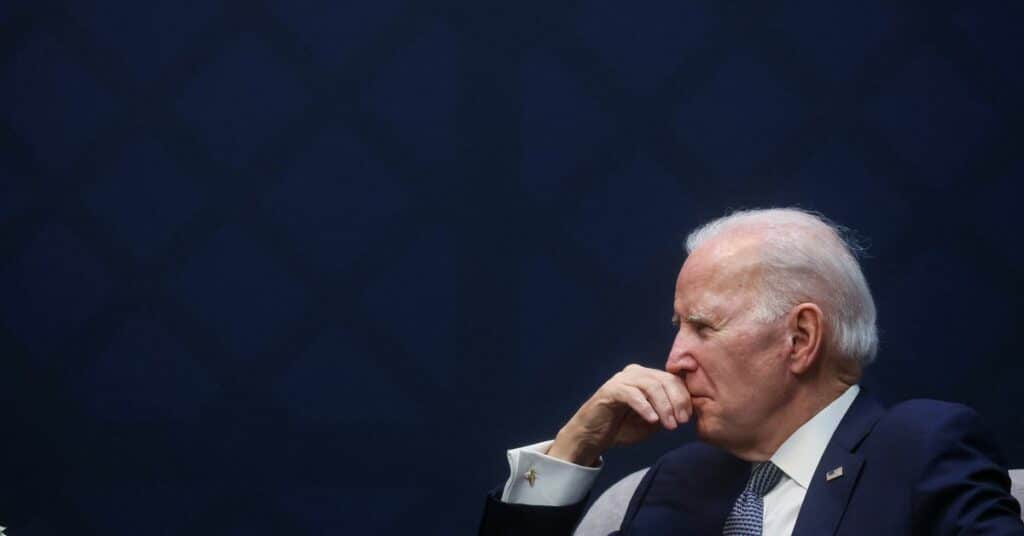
x=921, y=467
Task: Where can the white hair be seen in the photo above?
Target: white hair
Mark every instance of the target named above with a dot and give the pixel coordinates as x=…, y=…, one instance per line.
x=807, y=258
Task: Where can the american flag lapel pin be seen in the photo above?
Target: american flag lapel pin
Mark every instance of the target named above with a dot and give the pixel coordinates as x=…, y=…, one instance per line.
x=834, y=474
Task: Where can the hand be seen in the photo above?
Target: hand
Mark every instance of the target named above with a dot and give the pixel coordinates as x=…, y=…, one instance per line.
x=627, y=409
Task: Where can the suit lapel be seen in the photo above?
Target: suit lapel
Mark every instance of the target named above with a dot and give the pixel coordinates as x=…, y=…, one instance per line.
x=837, y=473
x=826, y=500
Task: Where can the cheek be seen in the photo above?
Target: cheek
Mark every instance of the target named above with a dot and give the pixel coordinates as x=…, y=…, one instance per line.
x=740, y=377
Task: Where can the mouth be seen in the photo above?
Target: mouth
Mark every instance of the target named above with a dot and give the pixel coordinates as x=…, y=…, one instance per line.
x=699, y=399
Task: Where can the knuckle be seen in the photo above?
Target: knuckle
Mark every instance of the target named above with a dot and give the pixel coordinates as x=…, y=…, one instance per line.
x=669, y=377
x=654, y=387
x=638, y=398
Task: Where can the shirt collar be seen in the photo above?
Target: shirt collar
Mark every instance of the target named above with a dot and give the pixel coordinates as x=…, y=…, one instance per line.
x=799, y=455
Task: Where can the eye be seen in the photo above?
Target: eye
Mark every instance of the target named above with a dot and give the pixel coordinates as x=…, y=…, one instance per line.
x=701, y=328
x=675, y=321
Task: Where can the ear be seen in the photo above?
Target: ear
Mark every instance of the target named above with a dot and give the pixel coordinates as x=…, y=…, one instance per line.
x=805, y=330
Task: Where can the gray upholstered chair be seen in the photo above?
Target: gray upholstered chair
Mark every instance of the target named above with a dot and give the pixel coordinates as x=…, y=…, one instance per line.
x=606, y=514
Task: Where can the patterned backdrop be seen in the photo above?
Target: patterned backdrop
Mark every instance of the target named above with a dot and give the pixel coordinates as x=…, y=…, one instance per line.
x=310, y=267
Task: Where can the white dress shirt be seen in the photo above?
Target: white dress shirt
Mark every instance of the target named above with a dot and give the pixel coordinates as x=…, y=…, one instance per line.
x=555, y=482
x=539, y=479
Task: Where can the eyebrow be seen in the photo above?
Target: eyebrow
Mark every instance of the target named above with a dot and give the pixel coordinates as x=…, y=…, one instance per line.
x=696, y=317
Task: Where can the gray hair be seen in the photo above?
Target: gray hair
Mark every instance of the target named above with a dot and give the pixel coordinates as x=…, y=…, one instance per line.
x=807, y=258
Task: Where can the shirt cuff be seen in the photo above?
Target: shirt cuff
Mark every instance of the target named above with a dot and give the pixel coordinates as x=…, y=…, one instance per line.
x=541, y=480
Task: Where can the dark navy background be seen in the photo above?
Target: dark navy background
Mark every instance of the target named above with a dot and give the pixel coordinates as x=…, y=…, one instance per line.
x=310, y=268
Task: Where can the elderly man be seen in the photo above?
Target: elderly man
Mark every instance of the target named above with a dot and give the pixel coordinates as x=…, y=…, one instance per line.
x=775, y=325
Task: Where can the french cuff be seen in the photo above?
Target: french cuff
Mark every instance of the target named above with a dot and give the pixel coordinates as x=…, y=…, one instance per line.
x=541, y=480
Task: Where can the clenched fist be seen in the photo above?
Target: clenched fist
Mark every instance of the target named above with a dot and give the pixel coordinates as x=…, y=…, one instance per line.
x=628, y=408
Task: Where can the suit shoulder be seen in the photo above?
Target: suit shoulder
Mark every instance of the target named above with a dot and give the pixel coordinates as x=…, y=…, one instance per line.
x=695, y=469
x=694, y=452
x=956, y=470
x=931, y=426
x=698, y=462
x=925, y=416
x=924, y=407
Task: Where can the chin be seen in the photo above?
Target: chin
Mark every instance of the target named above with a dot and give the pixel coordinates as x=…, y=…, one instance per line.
x=710, y=431
x=705, y=430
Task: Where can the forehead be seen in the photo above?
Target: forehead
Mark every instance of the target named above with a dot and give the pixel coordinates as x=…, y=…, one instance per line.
x=718, y=274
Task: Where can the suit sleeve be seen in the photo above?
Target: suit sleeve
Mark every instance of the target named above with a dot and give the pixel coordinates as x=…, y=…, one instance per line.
x=505, y=519
x=964, y=487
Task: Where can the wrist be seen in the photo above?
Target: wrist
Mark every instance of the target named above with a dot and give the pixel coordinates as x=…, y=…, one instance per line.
x=570, y=447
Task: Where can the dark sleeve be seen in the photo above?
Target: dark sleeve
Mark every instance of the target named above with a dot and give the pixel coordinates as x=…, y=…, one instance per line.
x=504, y=519
x=964, y=487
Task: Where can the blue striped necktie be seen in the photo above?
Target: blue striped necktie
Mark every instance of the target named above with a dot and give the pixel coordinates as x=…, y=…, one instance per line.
x=748, y=512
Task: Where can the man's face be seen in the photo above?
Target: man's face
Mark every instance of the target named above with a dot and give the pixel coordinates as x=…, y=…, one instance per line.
x=733, y=365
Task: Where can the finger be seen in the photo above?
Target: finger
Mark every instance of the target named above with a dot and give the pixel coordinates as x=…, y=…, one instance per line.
x=672, y=385
x=658, y=398
x=679, y=396
x=635, y=399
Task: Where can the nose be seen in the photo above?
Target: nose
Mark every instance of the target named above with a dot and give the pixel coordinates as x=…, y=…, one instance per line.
x=680, y=357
